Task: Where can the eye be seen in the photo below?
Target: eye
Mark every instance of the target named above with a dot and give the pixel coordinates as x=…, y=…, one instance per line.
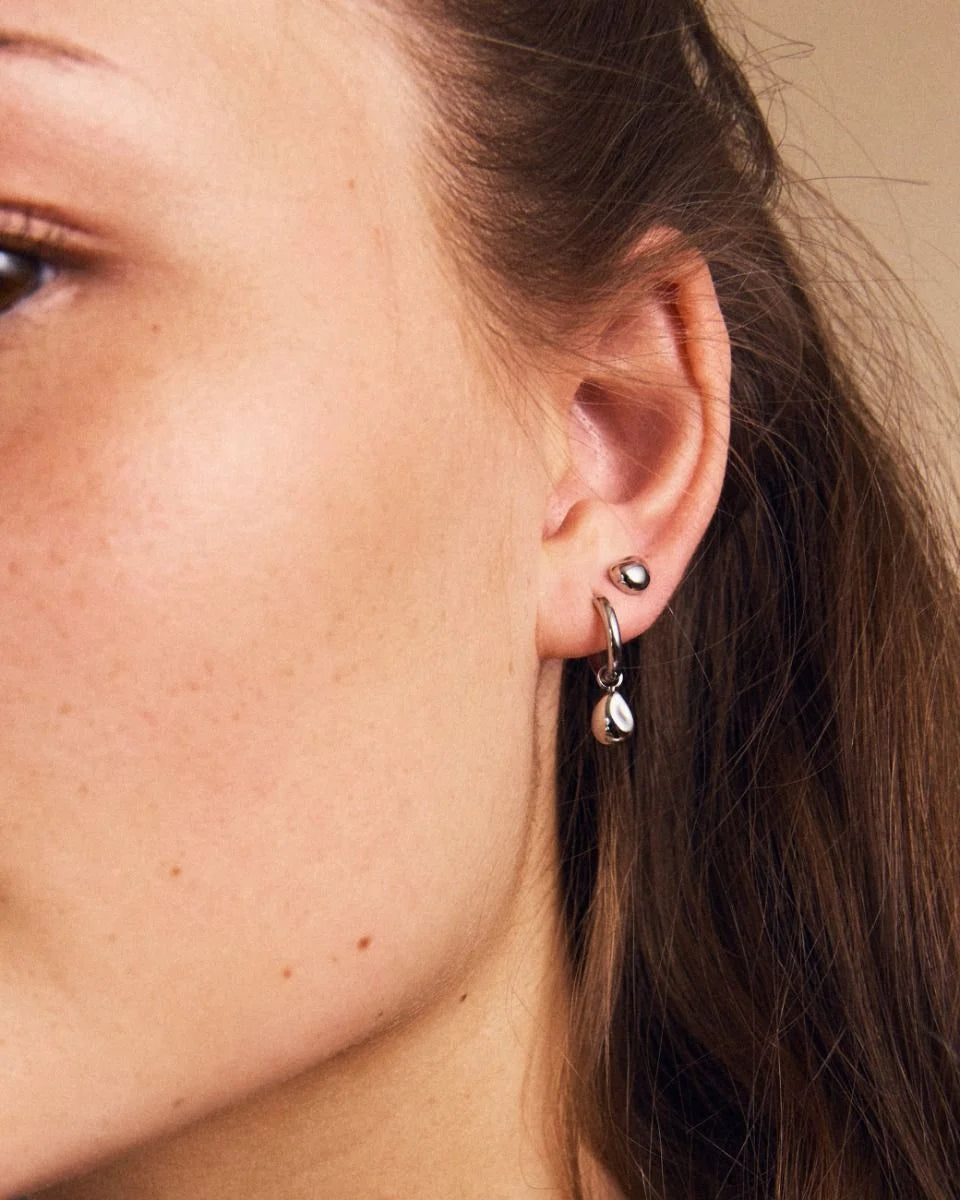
x=20, y=276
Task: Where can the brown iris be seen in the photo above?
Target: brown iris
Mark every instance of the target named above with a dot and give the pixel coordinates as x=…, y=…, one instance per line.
x=20, y=275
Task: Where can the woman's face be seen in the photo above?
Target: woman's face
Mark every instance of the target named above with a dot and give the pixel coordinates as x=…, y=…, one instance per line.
x=267, y=617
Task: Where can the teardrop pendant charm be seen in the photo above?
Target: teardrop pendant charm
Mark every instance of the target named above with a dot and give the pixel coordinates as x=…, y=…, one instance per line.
x=612, y=719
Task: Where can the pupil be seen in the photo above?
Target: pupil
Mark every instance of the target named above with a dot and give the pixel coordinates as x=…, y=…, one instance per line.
x=19, y=276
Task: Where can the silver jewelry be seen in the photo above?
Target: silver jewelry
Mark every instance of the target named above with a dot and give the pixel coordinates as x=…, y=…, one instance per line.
x=612, y=719
x=630, y=575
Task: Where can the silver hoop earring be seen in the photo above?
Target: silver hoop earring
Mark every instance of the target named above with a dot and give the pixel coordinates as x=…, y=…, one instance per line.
x=612, y=719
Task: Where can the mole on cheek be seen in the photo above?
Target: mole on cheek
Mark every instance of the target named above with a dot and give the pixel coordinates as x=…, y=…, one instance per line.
x=364, y=943
x=175, y=872
x=287, y=972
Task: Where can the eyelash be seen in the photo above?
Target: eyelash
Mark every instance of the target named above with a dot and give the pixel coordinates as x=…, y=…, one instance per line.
x=28, y=235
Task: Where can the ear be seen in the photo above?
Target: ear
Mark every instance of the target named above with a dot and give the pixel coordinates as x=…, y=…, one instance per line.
x=647, y=420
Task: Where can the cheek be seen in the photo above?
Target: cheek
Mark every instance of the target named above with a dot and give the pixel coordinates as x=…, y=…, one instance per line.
x=255, y=647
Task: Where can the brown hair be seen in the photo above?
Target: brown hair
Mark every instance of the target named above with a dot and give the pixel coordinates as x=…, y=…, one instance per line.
x=761, y=896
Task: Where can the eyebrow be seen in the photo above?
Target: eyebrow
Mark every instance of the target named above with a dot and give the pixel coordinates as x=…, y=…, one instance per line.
x=32, y=45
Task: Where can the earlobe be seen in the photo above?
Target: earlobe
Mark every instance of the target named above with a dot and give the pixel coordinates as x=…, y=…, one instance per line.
x=647, y=434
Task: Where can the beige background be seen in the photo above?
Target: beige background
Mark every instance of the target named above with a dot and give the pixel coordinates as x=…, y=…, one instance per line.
x=871, y=106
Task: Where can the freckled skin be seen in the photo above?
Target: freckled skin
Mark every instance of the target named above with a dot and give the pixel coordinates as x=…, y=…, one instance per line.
x=305, y=567
x=276, y=513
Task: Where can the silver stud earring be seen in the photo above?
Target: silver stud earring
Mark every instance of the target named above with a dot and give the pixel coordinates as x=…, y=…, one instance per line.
x=612, y=719
x=630, y=575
